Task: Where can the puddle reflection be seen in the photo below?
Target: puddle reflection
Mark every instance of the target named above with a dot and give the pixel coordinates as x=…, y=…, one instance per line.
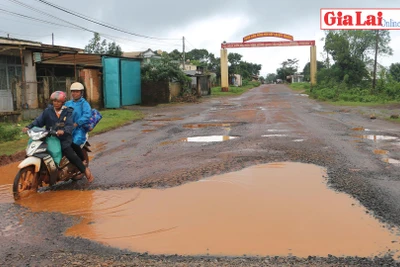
x=271, y=209
x=200, y=139
x=211, y=138
x=274, y=135
x=377, y=137
x=205, y=125
x=391, y=161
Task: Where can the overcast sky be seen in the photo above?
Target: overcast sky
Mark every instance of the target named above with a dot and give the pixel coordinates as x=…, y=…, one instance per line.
x=205, y=24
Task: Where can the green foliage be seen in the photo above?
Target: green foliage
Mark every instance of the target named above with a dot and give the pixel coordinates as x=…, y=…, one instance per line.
x=271, y=78
x=344, y=77
x=165, y=70
x=306, y=69
x=96, y=46
x=289, y=67
x=216, y=91
x=9, y=132
x=394, y=71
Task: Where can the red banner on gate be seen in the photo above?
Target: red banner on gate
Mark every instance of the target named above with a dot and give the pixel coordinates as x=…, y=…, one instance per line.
x=267, y=34
x=266, y=44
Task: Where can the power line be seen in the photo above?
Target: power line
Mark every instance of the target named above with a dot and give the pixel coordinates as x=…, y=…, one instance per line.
x=190, y=43
x=101, y=23
x=47, y=14
x=111, y=37
x=35, y=36
x=75, y=26
x=31, y=18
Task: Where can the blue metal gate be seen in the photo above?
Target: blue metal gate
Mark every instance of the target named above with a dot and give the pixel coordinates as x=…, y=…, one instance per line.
x=130, y=82
x=122, y=82
x=112, y=82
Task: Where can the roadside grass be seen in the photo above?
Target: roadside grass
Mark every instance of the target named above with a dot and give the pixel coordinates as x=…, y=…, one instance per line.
x=299, y=86
x=112, y=119
x=233, y=90
x=305, y=86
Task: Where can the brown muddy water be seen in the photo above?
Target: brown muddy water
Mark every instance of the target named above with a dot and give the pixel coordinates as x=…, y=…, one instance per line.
x=271, y=209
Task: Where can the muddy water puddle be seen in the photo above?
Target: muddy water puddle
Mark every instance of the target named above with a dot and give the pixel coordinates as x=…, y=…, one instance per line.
x=8, y=173
x=271, y=209
x=376, y=138
x=164, y=119
x=210, y=124
x=201, y=139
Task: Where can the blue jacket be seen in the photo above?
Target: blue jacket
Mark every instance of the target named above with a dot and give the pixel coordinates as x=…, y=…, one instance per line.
x=49, y=119
x=81, y=116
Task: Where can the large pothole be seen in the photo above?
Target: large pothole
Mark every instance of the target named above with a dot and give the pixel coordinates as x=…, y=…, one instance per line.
x=271, y=209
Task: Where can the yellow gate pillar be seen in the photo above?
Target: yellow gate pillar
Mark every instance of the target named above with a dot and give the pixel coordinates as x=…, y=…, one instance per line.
x=224, y=70
x=313, y=64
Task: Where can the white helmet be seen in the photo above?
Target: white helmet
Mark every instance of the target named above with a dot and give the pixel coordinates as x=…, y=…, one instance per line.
x=77, y=87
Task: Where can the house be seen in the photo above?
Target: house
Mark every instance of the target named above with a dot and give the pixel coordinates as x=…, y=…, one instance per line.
x=237, y=80
x=21, y=61
x=30, y=71
x=147, y=56
x=201, y=82
x=296, y=78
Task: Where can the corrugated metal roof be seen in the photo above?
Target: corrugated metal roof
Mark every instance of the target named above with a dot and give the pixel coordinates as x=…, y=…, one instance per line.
x=36, y=46
x=81, y=59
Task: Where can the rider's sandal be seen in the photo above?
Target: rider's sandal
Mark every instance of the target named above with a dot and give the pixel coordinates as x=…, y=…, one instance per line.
x=89, y=175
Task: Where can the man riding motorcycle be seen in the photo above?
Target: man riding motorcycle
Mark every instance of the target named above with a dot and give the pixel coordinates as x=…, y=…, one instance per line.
x=58, y=117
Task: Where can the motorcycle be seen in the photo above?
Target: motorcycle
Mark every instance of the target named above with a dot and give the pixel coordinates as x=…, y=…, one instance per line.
x=39, y=169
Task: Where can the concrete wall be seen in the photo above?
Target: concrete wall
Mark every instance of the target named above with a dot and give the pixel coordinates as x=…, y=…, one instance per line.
x=31, y=97
x=174, y=90
x=91, y=78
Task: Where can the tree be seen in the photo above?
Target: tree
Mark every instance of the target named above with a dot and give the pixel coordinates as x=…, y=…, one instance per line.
x=271, y=78
x=382, y=40
x=289, y=67
x=96, y=46
x=165, y=70
x=234, y=61
x=356, y=46
x=394, y=71
x=114, y=49
x=348, y=66
x=306, y=69
x=175, y=55
x=198, y=54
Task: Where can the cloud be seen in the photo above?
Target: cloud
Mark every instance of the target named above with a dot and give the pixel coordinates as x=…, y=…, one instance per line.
x=204, y=24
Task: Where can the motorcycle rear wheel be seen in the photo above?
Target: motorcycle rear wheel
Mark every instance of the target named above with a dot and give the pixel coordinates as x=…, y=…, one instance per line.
x=26, y=182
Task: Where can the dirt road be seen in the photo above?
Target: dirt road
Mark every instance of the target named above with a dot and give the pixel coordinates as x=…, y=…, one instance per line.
x=268, y=124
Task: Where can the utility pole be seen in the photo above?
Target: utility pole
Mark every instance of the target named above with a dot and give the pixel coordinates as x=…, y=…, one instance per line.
x=376, y=59
x=183, y=53
x=52, y=39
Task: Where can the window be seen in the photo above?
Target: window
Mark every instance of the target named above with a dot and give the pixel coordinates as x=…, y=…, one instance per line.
x=10, y=70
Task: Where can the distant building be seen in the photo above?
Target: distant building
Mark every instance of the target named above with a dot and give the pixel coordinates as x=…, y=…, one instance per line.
x=147, y=55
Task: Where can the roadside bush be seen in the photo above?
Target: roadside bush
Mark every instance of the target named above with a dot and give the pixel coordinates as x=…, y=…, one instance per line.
x=9, y=133
x=245, y=82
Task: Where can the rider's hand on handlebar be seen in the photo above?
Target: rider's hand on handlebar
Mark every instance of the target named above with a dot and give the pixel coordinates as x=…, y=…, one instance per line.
x=60, y=132
x=24, y=130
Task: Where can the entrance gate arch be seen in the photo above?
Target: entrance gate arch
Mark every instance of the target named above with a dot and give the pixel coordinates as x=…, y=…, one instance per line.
x=245, y=43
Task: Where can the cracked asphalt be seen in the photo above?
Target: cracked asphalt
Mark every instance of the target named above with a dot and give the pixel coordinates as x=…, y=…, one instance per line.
x=154, y=153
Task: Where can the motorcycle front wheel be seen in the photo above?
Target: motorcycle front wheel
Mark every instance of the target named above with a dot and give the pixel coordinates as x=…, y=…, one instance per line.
x=26, y=182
